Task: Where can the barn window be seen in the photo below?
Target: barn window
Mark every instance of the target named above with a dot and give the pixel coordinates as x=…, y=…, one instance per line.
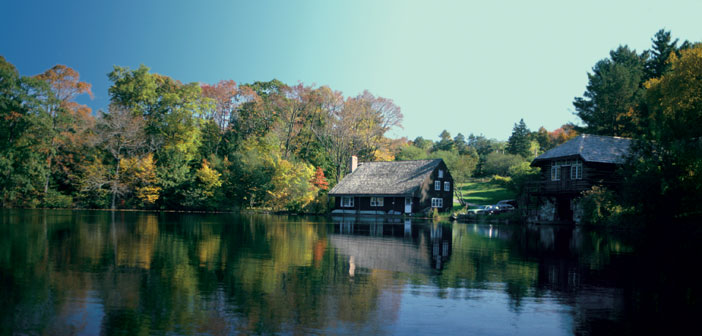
x=437, y=185
x=377, y=201
x=437, y=202
x=447, y=186
x=441, y=173
x=347, y=202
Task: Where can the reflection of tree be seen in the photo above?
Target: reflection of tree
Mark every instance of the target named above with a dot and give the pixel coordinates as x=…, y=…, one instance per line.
x=182, y=274
x=479, y=259
x=224, y=274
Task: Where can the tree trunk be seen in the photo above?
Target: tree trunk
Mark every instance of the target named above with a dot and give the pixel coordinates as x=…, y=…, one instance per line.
x=114, y=185
x=49, y=159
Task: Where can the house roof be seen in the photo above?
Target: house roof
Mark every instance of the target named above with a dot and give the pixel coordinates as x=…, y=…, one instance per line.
x=402, y=178
x=591, y=148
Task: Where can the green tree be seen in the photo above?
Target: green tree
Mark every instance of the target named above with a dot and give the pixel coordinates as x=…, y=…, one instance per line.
x=610, y=105
x=497, y=163
x=24, y=137
x=206, y=186
x=422, y=143
x=445, y=142
x=411, y=152
x=664, y=171
x=661, y=50
x=519, y=143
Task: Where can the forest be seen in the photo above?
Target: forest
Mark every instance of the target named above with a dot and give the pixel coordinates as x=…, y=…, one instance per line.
x=167, y=145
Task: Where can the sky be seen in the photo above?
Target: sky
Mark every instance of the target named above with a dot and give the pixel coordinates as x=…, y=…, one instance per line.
x=463, y=66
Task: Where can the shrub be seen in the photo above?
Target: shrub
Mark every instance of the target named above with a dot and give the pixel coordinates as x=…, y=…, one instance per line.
x=55, y=199
x=599, y=206
x=503, y=181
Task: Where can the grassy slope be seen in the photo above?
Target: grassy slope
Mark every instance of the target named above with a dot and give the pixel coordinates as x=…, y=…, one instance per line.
x=480, y=192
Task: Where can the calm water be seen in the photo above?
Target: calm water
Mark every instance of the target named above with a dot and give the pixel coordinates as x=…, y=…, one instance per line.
x=90, y=273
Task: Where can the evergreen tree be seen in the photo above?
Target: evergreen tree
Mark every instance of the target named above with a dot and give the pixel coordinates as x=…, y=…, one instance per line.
x=662, y=47
x=445, y=142
x=610, y=105
x=519, y=142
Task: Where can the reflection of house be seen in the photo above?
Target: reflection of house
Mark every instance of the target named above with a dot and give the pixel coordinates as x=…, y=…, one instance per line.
x=394, y=247
x=577, y=165
x=395, y=187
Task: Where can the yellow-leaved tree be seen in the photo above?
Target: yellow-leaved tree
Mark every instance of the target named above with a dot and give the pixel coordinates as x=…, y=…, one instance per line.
x=139, y=177
x=208, y=179
x=292, y=187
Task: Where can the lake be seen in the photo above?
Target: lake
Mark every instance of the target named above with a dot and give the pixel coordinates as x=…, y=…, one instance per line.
x=134, y=273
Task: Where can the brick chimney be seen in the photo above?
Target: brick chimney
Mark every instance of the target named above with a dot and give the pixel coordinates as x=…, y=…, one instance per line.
x=353, y=163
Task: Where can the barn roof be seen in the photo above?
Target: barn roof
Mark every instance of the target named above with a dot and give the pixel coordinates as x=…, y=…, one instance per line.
x=591, y=148
x=401, y=178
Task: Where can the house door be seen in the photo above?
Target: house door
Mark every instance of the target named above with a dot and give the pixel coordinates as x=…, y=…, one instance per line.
x=408, y=204
x=565, y=178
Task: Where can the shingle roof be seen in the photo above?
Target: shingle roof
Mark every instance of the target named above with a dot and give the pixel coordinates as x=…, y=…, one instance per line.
x=402, y=178
x=591, y=148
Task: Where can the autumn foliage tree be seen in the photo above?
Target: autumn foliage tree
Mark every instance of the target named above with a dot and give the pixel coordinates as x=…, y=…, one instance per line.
x=319, y=180
x=69, y=122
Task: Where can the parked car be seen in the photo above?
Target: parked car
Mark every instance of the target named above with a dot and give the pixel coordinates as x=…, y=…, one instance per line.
x=505, y=207
x=484, y=210
x=513, y=203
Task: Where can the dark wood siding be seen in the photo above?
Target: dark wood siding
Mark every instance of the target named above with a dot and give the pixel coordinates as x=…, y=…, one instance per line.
x=362, y=203
x=593, y=174
x=428, y=191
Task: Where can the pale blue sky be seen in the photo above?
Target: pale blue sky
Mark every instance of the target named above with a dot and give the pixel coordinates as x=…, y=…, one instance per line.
x=464, y=66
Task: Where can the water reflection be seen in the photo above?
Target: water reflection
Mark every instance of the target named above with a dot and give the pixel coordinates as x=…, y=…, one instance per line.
x=64, y=272
x=392, y=244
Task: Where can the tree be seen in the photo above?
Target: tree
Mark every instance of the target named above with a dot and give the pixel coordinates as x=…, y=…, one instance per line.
x=24, y=140
x=661, y=50
x=67, y=116
x=138, y=175
x=519, y=142
x=664, y=170
x=445, y=142
x=121, y=133
x=292, y=188
x=499, y=164
x=319, y=180
x=610, y=105
x=422, y=143
x=225, y=95
x=172, y=113
x=207, y=182
x=561, y=135
x=411, y=152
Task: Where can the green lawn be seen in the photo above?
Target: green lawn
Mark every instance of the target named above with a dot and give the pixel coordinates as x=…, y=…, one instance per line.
x=480, y=192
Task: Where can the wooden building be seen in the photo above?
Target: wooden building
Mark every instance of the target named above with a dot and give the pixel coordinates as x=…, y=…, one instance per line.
x=394, y=188
x=575, y=166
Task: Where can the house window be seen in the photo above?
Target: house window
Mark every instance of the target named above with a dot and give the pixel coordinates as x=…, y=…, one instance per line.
x=437, y=185
x=447, y=186
x=576, y=171
x=441, y=173
x=555, y=172
x=437, y=202
x=346, y=202
x=377, y=201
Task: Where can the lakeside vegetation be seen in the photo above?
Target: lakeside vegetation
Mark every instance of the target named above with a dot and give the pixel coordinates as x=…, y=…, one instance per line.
x=163, y=144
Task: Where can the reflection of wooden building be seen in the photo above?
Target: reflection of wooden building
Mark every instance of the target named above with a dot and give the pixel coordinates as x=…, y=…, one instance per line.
x=395, y=188
x=403, y=248
x=577, y=165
